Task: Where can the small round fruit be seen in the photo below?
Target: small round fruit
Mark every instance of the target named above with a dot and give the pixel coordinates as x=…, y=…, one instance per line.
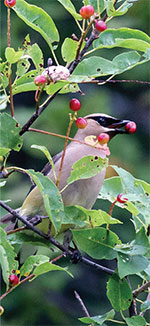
x=75, y=104
x=121, y=199
x=87, y=11
x=103, y=138
x=81, y=123
x=10, y=3
x=40, y=80
x=13, y=280
x=130, y=127
x=100, y=25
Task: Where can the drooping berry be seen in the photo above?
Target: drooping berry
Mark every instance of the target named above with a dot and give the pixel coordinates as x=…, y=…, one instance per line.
x=103, y=138
x=121, y=199
x=130, y=127
x=81, y=123
x=40, y=80
x=87, y=11
x=10, y=3
x=75, y=104
x=13, y=280
x=100, y=25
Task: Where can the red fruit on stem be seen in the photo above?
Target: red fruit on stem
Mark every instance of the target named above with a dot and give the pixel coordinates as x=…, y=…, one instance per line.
x=87, y=11
x=130, y=127
x=100, y=25
x=10, y=3
x=40, y=80
x=121, y=199
x=81, y=123
x=13, y=280
x=103, y=138
x=75, y=104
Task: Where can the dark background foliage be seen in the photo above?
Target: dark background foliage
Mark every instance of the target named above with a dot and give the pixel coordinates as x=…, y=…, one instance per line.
x=50, y=300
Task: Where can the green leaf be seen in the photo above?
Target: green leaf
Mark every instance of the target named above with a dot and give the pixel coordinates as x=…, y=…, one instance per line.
x=128, y=264
x=145, y=306
x=119, y=293
x=47, y=154
x=87, y=167
x=99, y=217
x=7, y=257
x=37, y=19
x=97, y=243
x=136, y=321
x=123, y=37
x=22, y=67
x=31, y=262
x=98, y=319
x=37, y=56
x=25, y=83
x=13, y=56
x=10, y=129
x=4, y=151
x=52, y=199
x=70, y=8
x=111, y=188
x=75, y=216
x=126, y=61
x=69, y=49
x=98, y=5
x=48, y=267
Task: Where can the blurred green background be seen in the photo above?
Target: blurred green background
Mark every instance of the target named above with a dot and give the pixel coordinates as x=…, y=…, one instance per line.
x=50, y=300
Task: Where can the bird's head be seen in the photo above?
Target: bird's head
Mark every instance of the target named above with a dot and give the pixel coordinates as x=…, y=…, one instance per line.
x=98, y=123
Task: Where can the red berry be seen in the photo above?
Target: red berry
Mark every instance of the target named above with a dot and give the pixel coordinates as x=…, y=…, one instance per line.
x=40, y=80
x=13, y=280
x=130, y=127
x=120, y=199
x=81, y=123
x=10, y=3
x=75, y=104
x=100, y=25
x=86, y=11
x=103, y=138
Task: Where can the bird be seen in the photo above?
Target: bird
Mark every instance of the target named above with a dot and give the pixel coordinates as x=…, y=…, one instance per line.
x=81, y=192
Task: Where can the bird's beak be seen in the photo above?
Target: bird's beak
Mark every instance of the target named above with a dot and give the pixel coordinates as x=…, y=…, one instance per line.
x=115, y=127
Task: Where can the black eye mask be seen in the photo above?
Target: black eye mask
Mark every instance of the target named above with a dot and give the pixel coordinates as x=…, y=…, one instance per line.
x=105, y=121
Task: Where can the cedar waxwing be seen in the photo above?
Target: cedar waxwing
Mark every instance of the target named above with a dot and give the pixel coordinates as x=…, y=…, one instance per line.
x=81, y=192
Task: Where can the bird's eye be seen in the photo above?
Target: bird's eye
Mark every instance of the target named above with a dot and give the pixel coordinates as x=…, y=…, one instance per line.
x=101, y=121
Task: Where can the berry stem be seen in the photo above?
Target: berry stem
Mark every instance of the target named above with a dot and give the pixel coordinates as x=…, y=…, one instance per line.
x=112, y=206
x=84, y=33
x=9, y=65
x=65, y=146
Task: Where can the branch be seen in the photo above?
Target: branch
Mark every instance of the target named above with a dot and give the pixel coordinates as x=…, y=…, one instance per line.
x=141, y=289
x=77, y=296
x=71, y=252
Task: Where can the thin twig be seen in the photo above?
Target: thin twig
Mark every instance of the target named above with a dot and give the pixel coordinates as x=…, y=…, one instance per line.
x=9, y=65
x=77, y=296
x=141, y=289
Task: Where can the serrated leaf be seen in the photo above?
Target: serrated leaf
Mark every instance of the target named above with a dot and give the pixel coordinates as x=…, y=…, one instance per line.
x=13, y=56
x=123, y=37
x=70, y=8
x=128, y=264
x=68, y=50
x=52, y=199
x=87, y=167
x=7, y=257
x=31, y=262
x=37, y=19
x=48, y=267
x=97, y=243
x=119, y=293
x=136, y=321
x=10, y=129
x=99, y=320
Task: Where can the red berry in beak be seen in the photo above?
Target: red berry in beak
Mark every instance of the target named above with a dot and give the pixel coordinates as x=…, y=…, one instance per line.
x=75, y=104
x=86, y=11
x=130, y=127
x=103, y=138
x=81, y=123
x=121, y=199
